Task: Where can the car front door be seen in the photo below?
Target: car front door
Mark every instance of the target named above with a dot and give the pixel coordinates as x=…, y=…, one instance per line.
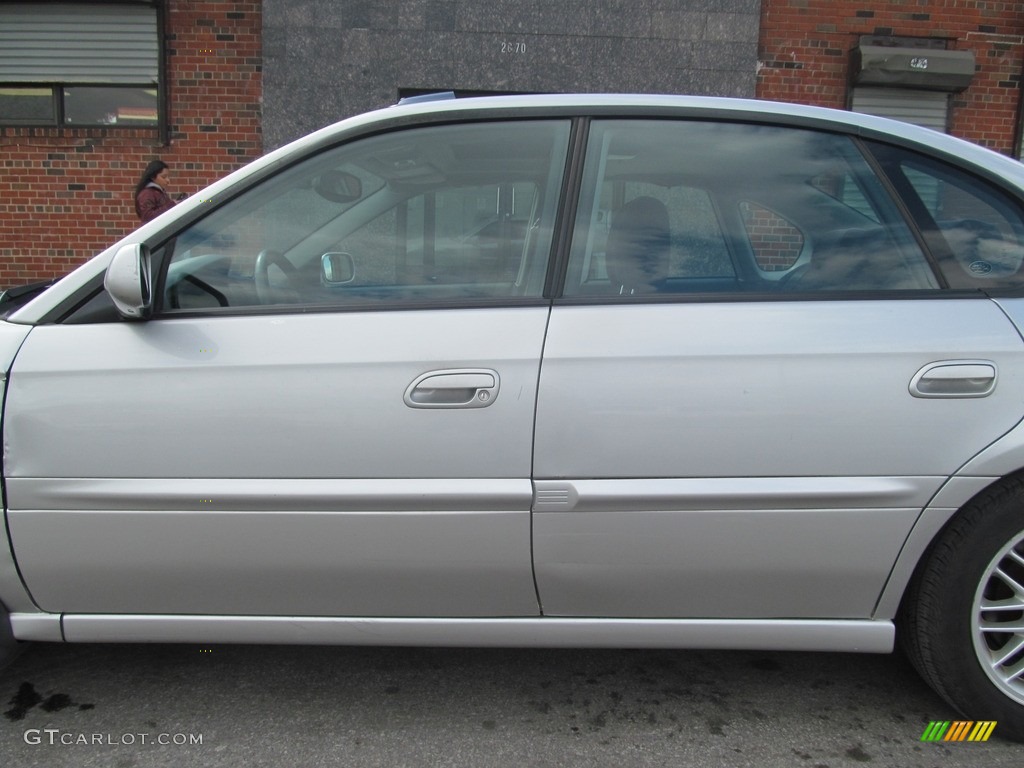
x=755, y=380
x=331, y=412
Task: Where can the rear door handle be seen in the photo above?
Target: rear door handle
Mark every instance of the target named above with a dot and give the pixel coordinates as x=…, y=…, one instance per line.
x=456, y=388
x=955, y=378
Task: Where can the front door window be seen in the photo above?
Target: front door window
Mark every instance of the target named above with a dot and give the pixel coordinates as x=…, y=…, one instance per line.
x=435, y=215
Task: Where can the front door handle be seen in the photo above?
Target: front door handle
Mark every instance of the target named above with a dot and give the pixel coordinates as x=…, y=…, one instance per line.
x=955, y=378
x=455, y=388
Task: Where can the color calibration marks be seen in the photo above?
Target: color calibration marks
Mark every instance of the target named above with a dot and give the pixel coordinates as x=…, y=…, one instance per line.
x=958, y=730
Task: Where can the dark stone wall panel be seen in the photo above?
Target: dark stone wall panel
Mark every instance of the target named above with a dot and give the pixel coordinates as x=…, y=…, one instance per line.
x=328, y=59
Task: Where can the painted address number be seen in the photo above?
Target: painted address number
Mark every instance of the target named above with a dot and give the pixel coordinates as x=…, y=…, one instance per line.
x=509, y=47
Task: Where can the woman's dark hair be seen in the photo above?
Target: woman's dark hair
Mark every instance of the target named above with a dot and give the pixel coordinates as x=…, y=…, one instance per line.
x=152, y=170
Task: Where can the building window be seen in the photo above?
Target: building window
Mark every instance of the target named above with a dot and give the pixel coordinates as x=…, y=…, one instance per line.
x=80, y=64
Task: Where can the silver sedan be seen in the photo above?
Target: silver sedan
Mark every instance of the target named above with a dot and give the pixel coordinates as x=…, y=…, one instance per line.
x=544, y=371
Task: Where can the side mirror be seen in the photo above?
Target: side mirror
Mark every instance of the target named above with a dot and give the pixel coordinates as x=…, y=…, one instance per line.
x=337, y=268
x=338, y=186
x=128, y=282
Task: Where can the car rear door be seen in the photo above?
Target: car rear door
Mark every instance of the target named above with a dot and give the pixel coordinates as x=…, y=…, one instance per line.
x=755, y=380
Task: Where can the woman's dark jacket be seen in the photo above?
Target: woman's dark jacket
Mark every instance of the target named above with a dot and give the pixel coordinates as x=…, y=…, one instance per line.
x=151, y=202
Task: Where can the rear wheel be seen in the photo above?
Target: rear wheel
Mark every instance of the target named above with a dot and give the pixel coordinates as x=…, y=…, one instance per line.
x=963, y=617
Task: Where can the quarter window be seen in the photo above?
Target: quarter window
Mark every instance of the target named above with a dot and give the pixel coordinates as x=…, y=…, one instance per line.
x=975, y=230
x=439, y=214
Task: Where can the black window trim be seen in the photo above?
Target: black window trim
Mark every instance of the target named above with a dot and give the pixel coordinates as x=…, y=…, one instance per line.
x=904, y=205
x=60, y=118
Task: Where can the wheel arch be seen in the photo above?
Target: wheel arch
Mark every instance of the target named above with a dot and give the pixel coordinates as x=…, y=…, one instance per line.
x=959, y=618
x=956, y=494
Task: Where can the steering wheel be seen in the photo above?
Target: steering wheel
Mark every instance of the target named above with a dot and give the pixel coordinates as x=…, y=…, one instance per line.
x=265, y=292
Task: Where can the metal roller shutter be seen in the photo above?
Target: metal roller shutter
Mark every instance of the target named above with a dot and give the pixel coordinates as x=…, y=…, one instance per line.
x=927, y=108
x=79, y=43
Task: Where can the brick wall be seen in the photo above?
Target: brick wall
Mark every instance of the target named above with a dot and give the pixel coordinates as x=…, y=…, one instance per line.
x=66, y=194
x=805, y=44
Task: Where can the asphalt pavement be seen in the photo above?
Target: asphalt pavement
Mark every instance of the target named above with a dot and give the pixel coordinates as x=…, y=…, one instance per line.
x=143, y=706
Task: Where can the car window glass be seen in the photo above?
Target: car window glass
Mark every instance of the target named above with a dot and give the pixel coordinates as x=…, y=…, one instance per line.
x=845, y=189
x=696, y=248
x=674, y=207
x=975, y=230
x=458, y=212
x=467, y=237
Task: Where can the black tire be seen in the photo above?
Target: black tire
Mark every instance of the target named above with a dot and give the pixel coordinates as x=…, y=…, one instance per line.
x=941, y=623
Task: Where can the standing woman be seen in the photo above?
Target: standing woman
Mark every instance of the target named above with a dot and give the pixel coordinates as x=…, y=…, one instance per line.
x=151, y=198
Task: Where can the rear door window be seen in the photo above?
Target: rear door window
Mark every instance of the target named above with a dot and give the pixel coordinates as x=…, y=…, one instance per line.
x=674, y=207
